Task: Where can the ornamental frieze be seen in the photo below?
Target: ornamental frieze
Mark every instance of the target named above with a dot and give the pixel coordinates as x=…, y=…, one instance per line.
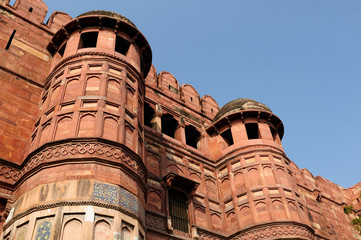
x=74, y=150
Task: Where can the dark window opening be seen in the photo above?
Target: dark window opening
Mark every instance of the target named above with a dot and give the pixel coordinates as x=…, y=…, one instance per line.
x=178, y=210
x=274, y=133
x=192, y=136
x=252, y=130
x=10, y=40
x=88, y=40
x=227, y=137
x=3, y=202
x=148, y=115
x=191, y=99
x=30, y=9
x=169, y=125
x=12, y=2
x=121, y=45
x=62, y=50
x=211, y=110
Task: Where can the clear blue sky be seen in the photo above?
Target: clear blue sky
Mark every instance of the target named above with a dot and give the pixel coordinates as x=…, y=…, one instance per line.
x=300, y=58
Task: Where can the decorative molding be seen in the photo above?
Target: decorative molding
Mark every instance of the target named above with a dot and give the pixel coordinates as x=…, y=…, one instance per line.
x=93, y=149
x=263, y=232
x=73, y=149
x=277, y=231
x=72, y=203
x=9, y=172
x=248, y=147
x=156, y=221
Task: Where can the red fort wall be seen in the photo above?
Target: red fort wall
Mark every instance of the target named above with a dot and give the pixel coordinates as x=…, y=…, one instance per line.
x=94, y=142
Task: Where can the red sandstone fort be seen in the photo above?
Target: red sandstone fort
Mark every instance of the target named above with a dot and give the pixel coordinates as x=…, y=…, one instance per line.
x=95, y=144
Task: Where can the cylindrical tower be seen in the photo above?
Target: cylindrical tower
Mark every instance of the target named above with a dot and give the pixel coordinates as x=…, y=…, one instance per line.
x=84, y=174
x=257, y=187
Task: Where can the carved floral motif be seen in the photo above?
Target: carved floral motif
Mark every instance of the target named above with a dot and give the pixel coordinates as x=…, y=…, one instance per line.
x=157, y=222
x=265, y=232
x=72, y=150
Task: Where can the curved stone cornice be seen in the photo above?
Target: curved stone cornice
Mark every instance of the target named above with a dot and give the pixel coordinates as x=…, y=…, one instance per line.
x=74, y=149
x=276, y=230
x=253, y=146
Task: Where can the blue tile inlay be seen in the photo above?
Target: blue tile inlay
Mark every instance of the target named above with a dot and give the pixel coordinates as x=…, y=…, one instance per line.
x=117, y=196
x=43, y=231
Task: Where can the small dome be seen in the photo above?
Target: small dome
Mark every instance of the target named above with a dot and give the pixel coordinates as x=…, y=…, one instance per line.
x=108, y=14
x=238, y=105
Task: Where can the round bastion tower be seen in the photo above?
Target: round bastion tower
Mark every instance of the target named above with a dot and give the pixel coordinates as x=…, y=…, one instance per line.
x=85, y=176
x=258, y=190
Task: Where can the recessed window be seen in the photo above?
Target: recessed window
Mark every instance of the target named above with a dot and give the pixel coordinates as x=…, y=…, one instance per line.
x=30, y=9
x=227, y=137
x=192, y=136
x=274, y=133
x=62, y=50
x=252, y=130
x=191, y=99
x=178, y=210
x=148, y=115
x=3, y=202
x=121, y=45
x=169, y=125
x=88, y=40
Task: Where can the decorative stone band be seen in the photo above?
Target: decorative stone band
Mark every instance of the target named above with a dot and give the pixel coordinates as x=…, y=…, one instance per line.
x=83, y=149
x=266, y=231
x=69, y=149
x=102, y=195
x=156, y=222
x=10, y=174
x=253, y=146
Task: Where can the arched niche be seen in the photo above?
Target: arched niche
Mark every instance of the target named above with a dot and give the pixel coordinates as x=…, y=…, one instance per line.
x=92, y=86
x=110, y=130
x=71, y=89
x=201, y=218
x=63, y=128
x=246, y=215
x=262, y=212
x=278, y=209
x=113, y=89
x=232, y=222
x=212, y=191
x=102, y=230
x=216, y=222
x=87, y=126
x=72, y=230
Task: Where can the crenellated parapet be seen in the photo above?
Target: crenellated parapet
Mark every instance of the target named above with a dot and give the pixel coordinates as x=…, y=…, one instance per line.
x=186, y=96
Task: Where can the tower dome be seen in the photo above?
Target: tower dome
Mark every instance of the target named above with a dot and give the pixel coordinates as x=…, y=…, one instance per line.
x=240, y=104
